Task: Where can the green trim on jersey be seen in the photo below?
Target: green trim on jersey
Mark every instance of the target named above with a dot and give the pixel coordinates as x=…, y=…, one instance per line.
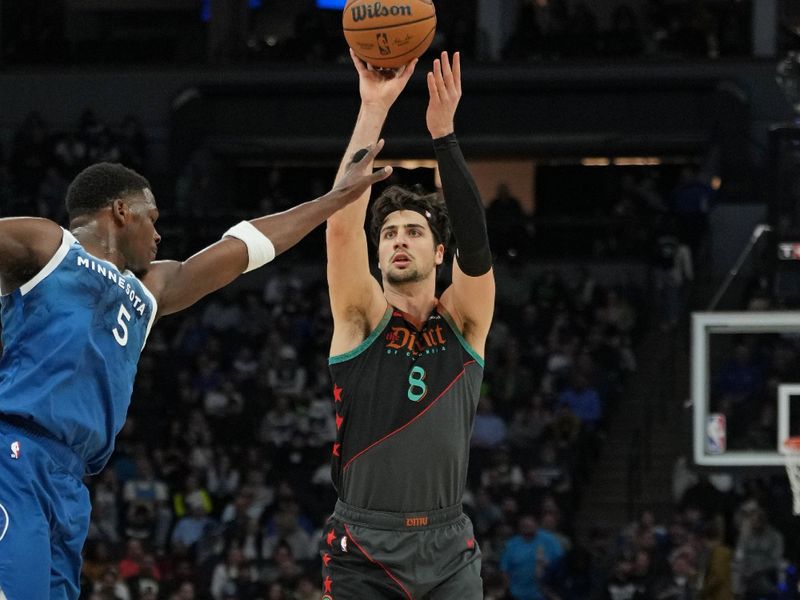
x=461, y=339
x=340, y=358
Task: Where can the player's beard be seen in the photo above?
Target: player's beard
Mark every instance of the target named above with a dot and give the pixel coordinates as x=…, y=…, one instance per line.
x=410, y=275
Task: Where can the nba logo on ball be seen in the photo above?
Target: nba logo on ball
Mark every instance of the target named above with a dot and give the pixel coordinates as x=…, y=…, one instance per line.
x=715, y=434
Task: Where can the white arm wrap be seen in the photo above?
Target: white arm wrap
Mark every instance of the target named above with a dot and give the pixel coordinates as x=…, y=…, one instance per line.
x=260, y=250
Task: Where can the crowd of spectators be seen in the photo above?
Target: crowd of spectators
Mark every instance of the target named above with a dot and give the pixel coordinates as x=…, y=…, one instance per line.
x=41, y=162
x=241, y=31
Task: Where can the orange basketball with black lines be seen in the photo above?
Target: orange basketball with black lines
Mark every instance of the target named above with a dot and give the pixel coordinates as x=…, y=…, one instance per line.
x=389, y=33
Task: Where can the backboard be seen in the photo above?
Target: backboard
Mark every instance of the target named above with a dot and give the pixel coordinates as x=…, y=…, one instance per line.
x=745, y=386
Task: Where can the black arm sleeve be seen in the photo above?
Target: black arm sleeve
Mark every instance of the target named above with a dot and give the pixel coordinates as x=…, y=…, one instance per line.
x=465, y=208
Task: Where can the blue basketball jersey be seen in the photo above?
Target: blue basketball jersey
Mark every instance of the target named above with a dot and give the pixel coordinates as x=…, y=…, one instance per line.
x=72, y=337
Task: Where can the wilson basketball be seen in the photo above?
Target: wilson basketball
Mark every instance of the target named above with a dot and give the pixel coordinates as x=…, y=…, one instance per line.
x=389, y=33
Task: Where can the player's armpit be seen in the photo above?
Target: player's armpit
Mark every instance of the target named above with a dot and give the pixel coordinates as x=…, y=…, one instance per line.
x=357, y=301
x=26, y=245
x=470, y=302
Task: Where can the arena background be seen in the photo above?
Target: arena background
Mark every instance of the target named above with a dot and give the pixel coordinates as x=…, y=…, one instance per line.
x=607, y=138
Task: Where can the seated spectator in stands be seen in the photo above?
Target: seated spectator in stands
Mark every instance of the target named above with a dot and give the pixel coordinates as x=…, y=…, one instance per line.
x=147, y=580
x=191, y=495
x=307, y=588
x=565, y=428
x=222, y=314
x=263, y=492
x=715, y=565
x=527, y=558
x=287, y=377
x=758, y=555
x=104, y=525
x=222, y=476
x=224, y=407
x=233, y=572
x=486, y=513
x=245, y=365
x=111, y=587
x=551, y=523
x=96, y=560
x=528, y=424
x=176, y=566
x=185, y=591
x=149, y=494
x=318, y=424
x=249, y=537
x=547, y=475
x=501, y=476
x=208, y=374
x=284, y=528
x=643, y=572
x=583, y=400
x=489, y=430
x=511, y=380
x=195, y=524
x=276, y=591
x=104, y=148
x=616, y=311
x=241, y=510
x=283, y=567
x=135, y=560
x=620, y=584
x=70, y=154
x=680, y=582
x=147, y=590
x=191, y=337
x=495, y=587
x=279, y=424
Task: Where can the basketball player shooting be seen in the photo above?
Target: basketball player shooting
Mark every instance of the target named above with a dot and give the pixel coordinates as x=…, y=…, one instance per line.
x=407, y=367
x=77, y=307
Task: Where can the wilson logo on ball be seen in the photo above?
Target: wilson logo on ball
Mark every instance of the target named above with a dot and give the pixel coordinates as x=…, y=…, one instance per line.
x=373, y=11
x=388, y=34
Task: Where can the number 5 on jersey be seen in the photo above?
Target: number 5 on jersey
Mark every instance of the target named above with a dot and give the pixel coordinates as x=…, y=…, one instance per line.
x=123, y=318
x=417, y=389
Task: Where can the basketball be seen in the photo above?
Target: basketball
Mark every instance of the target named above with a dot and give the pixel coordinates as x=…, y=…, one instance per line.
x=389, y=33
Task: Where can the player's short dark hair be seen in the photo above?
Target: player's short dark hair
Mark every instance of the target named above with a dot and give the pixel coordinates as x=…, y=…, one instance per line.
x=98, y=185
x=398, y=197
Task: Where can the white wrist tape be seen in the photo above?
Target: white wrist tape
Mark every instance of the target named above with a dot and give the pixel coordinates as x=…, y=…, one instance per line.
x=260, y=250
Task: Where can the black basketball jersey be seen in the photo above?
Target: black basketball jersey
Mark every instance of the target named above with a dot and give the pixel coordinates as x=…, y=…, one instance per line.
x=405, y=401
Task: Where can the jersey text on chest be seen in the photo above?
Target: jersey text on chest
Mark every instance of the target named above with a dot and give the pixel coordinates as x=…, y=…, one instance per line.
x=139, y=305
x=430, y=340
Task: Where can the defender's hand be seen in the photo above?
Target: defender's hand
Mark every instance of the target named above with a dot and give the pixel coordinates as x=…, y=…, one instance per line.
x=444, y=89
x=359, y=176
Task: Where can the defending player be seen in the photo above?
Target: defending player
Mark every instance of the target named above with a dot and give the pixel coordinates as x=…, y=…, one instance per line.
x=407, y=368
x=76, y=309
